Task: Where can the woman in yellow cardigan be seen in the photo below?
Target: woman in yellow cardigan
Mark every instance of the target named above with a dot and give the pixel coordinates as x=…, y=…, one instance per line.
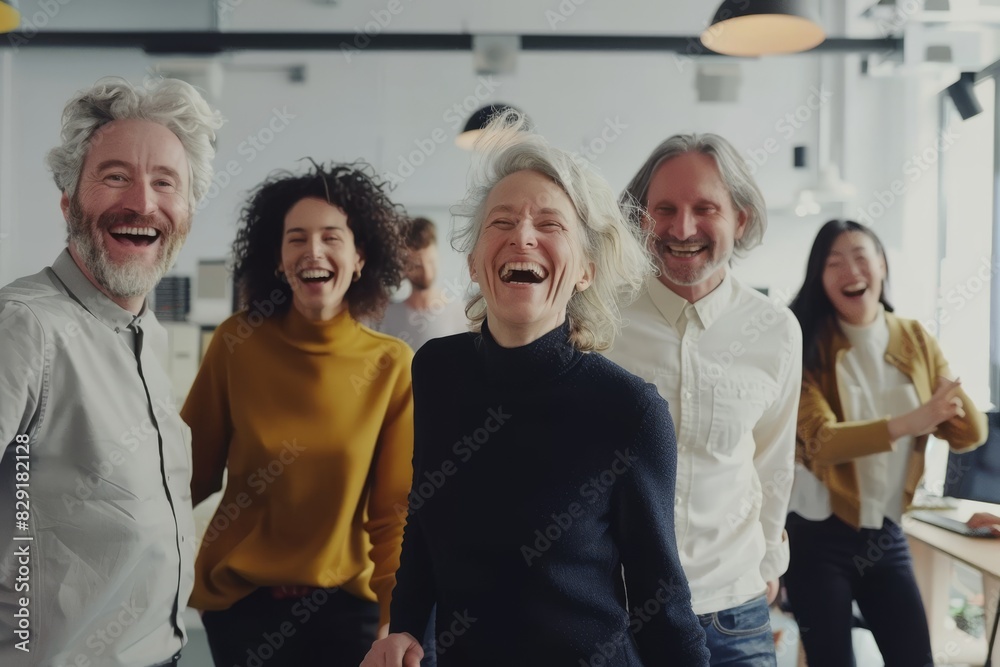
x=874, y=387
x=311, y=414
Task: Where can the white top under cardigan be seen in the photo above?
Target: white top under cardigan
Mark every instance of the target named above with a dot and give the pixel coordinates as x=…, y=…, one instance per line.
x=870, y=388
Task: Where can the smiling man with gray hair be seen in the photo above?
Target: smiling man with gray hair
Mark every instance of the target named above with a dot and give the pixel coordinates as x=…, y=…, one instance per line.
x=729, y=363
x=96, y=531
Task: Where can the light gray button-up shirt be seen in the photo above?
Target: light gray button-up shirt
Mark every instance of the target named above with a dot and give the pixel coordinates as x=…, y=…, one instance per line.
x=96, y=531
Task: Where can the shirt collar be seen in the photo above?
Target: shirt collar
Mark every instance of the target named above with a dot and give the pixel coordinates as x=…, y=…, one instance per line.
x=92, y=299
x=672, y=305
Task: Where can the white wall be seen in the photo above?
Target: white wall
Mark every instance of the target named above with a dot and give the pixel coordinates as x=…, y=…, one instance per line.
x=382, y=106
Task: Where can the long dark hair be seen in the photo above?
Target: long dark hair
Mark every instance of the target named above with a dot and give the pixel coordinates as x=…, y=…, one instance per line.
x=811, y=305
x=378, y=226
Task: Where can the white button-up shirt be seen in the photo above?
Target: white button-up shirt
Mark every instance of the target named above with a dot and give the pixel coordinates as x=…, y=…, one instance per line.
x=96, y=531
x=730, y=367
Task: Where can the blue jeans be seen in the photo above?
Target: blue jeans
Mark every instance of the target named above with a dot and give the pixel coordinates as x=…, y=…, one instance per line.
x=740, y=636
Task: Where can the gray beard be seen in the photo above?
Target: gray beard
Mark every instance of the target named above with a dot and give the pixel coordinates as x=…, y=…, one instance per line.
x=129, y=279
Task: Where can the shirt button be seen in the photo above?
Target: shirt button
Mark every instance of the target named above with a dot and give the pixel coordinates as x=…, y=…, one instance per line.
x=677, y=500
x=117, y=330
x=687, y=394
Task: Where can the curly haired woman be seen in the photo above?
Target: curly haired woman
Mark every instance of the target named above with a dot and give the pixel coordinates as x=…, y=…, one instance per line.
x=310, y=413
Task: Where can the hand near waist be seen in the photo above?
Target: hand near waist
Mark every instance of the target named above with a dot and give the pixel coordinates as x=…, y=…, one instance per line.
x=399, y=649
x=943, y=405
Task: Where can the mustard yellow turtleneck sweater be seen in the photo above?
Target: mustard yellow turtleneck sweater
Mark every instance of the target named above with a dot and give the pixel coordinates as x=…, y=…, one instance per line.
x=314, y=421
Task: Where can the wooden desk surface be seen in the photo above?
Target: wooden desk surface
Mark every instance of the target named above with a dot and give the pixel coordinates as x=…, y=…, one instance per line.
x=981, y=553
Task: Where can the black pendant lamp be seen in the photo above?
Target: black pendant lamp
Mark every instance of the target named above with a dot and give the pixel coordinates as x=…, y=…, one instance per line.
x=764, y=27
x=479, y=120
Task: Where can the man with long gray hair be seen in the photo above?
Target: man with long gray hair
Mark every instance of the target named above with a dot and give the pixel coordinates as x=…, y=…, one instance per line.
x=96, y=532
x=728, y=361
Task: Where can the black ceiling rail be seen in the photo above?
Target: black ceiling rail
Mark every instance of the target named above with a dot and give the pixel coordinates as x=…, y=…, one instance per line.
x=210, y=42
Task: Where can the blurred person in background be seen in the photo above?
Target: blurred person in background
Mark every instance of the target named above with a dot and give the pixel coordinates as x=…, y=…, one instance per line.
x=429, y=312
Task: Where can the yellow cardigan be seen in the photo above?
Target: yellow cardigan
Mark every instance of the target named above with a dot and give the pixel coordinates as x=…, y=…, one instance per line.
x=827, y=445
x=314, y=422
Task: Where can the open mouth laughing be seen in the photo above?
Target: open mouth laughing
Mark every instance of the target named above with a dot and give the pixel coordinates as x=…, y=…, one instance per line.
x=135, y=235
x=315, y=276
x=523, y=273
x=854, y=290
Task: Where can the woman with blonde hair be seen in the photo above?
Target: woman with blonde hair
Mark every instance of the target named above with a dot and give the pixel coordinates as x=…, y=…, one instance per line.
x=543, y=483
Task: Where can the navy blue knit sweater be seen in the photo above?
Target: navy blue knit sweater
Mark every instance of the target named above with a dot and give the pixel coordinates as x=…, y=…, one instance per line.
x=540, y=474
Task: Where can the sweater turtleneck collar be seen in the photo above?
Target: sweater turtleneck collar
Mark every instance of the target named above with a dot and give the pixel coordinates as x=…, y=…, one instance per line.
x=539, y=361
x=316, y=336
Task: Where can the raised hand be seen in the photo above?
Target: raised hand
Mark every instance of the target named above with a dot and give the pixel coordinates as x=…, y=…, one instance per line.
x=943, y=405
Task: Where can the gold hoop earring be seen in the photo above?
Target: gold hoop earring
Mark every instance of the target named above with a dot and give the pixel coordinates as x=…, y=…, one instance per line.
x=280, y=275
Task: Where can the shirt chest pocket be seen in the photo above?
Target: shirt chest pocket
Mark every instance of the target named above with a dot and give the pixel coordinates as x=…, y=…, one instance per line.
x=736, y=409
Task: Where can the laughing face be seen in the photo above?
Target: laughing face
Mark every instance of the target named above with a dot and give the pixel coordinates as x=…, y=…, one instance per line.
x=853, y=276
x=130, y=213
x=318, y=257
x=529, y=257
x=694, y=223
